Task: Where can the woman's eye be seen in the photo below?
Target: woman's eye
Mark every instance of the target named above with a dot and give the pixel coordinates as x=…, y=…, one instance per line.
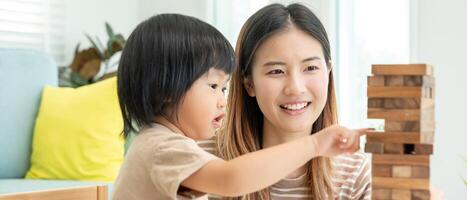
x=224, y=89
x=276, y=71
x=311, y=68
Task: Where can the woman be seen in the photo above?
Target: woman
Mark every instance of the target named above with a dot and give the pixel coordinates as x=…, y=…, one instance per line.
x=282, y=89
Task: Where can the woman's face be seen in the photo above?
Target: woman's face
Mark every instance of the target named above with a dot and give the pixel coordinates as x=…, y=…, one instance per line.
x=289, y=80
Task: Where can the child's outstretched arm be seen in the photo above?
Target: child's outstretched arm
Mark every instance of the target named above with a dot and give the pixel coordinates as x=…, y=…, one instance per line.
x=255, y=171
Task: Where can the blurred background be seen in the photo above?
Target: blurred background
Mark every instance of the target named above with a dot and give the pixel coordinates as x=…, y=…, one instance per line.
x=362, y=32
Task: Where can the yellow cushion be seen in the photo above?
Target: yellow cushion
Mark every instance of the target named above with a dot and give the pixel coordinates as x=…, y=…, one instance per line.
x=77, y=134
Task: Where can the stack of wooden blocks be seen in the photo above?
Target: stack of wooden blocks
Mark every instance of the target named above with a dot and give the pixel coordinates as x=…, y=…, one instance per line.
x=402, y=95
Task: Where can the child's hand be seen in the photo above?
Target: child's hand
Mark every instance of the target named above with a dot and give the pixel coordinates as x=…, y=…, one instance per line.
x=336, y=140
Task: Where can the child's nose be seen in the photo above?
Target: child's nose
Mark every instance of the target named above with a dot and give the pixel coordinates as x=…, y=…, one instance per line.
x=222, y=102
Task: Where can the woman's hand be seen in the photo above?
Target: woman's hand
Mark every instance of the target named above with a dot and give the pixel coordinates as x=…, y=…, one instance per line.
x=336, y=140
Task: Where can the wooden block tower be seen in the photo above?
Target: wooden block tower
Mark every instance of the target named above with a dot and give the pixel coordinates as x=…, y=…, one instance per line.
x=402, y=95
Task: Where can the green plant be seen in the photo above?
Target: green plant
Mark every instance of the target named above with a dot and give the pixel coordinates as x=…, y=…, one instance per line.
x=114, y=44
x=87, y=63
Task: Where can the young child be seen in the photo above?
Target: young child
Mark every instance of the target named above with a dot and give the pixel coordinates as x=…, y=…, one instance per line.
x=171, y=82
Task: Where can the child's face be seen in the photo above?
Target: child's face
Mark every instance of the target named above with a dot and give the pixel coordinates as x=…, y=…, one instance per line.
x=290, y=81
x=203, y=107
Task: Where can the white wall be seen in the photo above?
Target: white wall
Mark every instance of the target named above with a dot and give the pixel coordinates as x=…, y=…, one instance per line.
x=196, y=8
x=442, y=41
x=88, y=16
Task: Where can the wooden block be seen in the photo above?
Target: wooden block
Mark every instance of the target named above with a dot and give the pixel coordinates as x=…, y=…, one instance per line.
x=375, y=80
x=420, y=172
x=392, y=159
x=427, y=114
x=426, y=126
x=401, y=171
x=394, y=114
x=374, y=148
x=376, y=103
x=394, y=80
x=394, y=91
x=403, y=126
x=381, y=170
x=398, y=137
x=427, y=137
x=393, y=148
x=413, y=80
x=423, y=149
x=409, y=126
x=400, y=194
x=427, y=104
x=381, y=193
x=401, y=103
x=386, y=147
x=427, y=81
x=401, y=183
x=421, y=195
x=401, y=69
x=401, y=80
x=428, y=92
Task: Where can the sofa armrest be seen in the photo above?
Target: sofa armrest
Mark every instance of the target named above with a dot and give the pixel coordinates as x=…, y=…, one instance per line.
x=85, y=193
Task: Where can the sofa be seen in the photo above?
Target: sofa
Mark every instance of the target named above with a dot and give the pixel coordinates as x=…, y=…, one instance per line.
x=23, y=74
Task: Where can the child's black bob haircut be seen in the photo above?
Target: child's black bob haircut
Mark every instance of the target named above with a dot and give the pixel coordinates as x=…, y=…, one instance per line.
x=162, y=58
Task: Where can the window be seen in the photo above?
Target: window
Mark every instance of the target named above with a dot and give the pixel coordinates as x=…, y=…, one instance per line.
x=229, y=16
x=369, y=32
x=34, y=24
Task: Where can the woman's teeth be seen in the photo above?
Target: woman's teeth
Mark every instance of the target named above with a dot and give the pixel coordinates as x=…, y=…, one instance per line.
x=296, y=106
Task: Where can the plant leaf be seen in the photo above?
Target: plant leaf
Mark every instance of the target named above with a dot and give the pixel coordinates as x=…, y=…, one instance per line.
x=109, y=51
x=111, y=35
x=77, y=80
x=101, y=46
x=99, y=51
x=109, y=29
x=120, y=39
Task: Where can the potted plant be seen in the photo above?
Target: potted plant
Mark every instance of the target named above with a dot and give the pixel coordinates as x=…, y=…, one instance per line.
x=92, y=64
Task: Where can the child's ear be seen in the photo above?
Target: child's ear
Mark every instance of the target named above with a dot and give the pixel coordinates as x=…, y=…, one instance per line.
x=248, y=84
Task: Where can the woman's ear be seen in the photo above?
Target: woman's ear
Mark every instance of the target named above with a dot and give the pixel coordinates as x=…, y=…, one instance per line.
x=248, y=84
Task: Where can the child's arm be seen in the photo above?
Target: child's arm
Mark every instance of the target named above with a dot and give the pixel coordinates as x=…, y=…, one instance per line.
x=260, y=169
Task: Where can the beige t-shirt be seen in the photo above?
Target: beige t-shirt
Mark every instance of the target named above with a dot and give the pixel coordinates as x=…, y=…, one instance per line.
x=156, y=163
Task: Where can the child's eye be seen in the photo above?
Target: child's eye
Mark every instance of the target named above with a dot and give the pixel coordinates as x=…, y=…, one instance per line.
x=311, y=68
x=224, y=89
x=276, y=71
x=213, y=86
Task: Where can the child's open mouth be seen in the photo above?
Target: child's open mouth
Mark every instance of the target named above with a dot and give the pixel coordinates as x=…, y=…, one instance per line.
x=296, y=107
x=217, y=122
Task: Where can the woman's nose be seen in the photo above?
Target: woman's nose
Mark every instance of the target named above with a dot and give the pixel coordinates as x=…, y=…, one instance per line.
x=295, y=85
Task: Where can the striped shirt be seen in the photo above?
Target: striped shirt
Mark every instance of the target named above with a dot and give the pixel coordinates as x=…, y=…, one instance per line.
x=352, y=178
